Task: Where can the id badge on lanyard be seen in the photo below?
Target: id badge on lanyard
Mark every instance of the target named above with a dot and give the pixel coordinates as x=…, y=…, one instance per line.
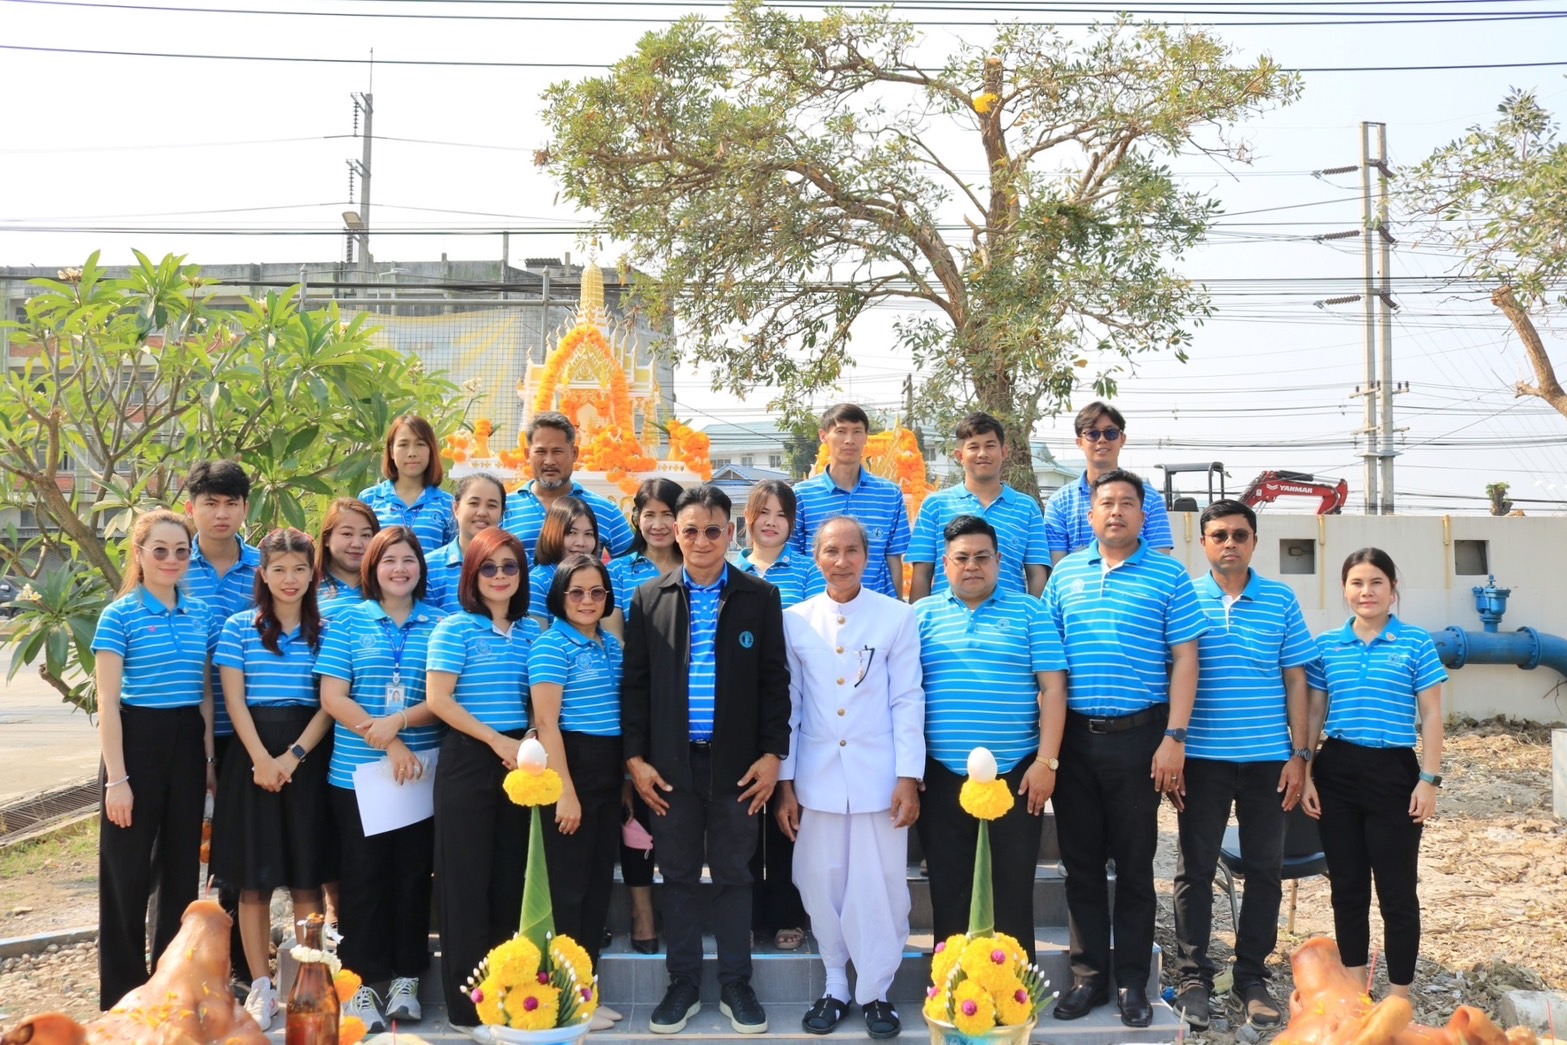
x=396, y=692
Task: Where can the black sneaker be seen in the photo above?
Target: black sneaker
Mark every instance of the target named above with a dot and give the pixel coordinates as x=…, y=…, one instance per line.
x=681, y=1001
x=1192, y=1005
x=738, y=1002
x=1260, y=1008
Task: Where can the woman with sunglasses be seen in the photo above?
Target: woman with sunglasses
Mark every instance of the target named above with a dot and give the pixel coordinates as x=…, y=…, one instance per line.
x=346, y=531
x=477, y=683
x=570, y=528
x=372, y=669
x=155, y=726
x=479, y=505
x=574, y=674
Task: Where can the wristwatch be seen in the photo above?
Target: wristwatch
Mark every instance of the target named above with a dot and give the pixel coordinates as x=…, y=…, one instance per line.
x=1051, y=764
x=1177, y=735
x=1434, y=779
x=299, y=752
x=1302, y=753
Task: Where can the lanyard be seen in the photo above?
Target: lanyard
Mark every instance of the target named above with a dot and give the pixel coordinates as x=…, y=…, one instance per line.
x=398, y=639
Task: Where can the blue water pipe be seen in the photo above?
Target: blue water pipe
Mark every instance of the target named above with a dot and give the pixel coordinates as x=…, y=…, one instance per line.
x=1525, y=647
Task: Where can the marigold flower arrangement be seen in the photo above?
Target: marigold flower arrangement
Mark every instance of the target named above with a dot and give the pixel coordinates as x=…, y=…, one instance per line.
x=536, y=980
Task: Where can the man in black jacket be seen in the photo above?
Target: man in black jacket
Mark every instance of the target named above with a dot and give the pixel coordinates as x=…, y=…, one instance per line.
x=705, y=724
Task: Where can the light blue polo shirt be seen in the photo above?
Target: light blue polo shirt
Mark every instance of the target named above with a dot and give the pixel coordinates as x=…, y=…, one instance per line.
x=224, y=596
x=980, y=686
x=879, y=506
x=540, y=579
x=164, y=650
x=1118, y=627
x=1019, y=525
x=333, y=596
x=794, y=574
x=588, y=674
x=705, y=604
x=430, y=517
x=359, y=649
x=1240, y=714
x=525, y=518
x=271, y=680
x=1373, y=688
x=444, y=571
x=1066, y=518
x=491, y=668
x=629, y=572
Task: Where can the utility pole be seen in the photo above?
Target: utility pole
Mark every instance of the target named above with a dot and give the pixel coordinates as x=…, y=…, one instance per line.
x=359, y=220
x=1373, y=502
x=1385, y=300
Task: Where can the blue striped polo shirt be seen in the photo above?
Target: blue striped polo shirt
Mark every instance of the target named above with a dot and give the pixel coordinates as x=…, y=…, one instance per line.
x=794, y=574
x=224, y=596
x=1066, y=518
x=164, y=650
x=879, y=506
x=491, y=668
x=525, y=513
x=540, y=578
x=430, y=517
x=1372, y=688
x=1118, y=627
x=629, y=572
x=358, y=648
x=705, y=604
x=1019, y=525
x=333, y=596
x=980, y=686
x=271, y=680
x=1240, y=715
x=444, y=571
x=588, y=674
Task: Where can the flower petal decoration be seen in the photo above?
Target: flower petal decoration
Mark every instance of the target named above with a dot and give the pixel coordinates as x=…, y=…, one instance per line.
x=987, y=801
x=533, y=789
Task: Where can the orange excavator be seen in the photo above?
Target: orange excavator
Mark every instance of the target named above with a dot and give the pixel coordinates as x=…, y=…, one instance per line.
x=1270, y=486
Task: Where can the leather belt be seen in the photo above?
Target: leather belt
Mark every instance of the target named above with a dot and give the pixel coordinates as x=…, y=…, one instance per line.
x=1120, y=723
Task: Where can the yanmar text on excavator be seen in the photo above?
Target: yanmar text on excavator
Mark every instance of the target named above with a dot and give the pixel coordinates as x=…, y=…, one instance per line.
x=1330, y=494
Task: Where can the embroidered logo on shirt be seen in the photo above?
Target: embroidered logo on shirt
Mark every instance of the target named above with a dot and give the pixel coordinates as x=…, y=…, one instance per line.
x=747, y=639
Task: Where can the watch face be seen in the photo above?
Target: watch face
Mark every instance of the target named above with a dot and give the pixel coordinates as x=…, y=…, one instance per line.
x=1178, y=735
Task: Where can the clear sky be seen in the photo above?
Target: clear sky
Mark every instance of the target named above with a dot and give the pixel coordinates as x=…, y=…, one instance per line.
x=230, y=159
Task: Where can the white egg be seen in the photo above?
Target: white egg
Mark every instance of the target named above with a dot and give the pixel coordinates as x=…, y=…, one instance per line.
x=532, y=756
x=981, y=765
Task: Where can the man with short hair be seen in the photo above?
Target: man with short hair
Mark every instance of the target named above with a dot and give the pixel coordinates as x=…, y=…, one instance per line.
x=994, y=677
x=705, y=725
x=850, y=787
x=1130, y=620
x=1246, y=746
x=1101, y=435
x=1020, y=526
x=846, y=488
x=552, y=455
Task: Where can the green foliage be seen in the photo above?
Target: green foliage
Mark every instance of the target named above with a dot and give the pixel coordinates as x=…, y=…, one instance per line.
x=119, y=386
x=783, y=176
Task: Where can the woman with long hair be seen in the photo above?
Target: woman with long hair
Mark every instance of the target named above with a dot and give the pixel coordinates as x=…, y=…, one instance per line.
x=477, y=683
x=273, y=826
x=410, y=492
x=570, y=528
x=480, y=504
x=346, y=531
x=372, y=668
x=155, y=728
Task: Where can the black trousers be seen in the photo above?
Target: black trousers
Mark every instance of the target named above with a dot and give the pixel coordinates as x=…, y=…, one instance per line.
x=1366, y=831
x=151, y=870
x=706, y=819
x=383, y=903
x=582, y=864
x=1106, y=807
x=947, y=838
x=1211, y=788
x=481, y=849
x=228, y=896
x=776, y=903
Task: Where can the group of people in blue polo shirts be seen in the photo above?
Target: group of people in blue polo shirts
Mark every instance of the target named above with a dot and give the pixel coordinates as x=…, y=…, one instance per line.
x=420, y=634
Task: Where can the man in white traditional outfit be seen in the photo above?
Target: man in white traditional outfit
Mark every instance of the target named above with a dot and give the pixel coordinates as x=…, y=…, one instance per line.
x=849, y=789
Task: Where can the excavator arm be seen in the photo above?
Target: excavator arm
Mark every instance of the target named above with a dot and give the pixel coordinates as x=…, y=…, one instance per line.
x=1270, y=486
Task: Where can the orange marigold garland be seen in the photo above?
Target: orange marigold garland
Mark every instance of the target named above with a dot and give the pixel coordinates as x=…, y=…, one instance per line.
x=690, y=447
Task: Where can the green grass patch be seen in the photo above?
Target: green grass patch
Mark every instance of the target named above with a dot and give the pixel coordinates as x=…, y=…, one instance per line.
x=73, y=845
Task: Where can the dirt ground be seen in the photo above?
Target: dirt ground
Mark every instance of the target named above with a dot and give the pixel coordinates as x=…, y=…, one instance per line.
x=1493, y=891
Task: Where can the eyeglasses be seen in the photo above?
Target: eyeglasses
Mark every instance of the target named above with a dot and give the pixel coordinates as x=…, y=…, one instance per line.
x=162, y=552
x=593, y=594
x=1093, y=435
x=510, y=569
x=981, y=559
x=1224, y=536
x=712, y=533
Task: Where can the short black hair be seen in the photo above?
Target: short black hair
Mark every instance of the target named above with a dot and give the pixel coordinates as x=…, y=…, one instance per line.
x=665, y=492
x=707, y=495
x=553, y=419
x=1371, y=557
x=965, y=525
x=220, y=478
x=977, y=424
x=1226, y=507
x=1094, y=411
x=1121, y=475
x=845, y=413
x=555, y=601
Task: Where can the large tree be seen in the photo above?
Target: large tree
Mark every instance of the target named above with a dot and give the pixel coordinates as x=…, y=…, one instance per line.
x=782, y=176
x=1499, y=195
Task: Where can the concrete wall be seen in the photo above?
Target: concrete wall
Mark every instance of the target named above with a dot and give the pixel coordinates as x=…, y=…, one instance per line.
x=1439, y=560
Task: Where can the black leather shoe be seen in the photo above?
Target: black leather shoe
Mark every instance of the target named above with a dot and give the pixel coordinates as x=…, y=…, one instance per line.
x=1135, y=1010
x=1078, y=1002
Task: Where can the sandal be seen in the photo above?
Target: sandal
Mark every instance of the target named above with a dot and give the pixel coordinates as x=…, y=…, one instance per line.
x=881, y=1020
x=826, y=1014
x=788, y=939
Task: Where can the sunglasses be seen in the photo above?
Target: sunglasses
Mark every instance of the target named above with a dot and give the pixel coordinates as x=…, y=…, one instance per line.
x=1093, y=435
x=593, y=594
x=1224, y=536
x=509, y=569
x=981, y=560
x=712, y=533
x=161, y=552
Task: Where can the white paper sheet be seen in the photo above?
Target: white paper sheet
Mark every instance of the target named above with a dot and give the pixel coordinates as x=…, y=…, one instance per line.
x=384, y=804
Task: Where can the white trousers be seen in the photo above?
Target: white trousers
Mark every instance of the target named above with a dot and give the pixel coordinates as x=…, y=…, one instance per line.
x=852, y=873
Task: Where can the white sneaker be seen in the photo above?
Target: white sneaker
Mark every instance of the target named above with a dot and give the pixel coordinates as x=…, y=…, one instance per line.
x=261, y=1002
x=402, y=999
x=367, y=1007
